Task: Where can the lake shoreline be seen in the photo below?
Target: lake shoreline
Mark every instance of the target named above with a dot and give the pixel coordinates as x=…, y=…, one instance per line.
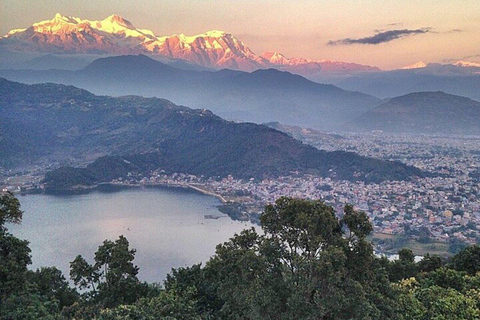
x=113, y=187
x=226, y=207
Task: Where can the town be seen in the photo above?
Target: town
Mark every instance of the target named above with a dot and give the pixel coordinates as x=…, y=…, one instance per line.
x=443, y=208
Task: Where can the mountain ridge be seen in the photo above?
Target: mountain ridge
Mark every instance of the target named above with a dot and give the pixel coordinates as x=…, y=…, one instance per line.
x=260, y=96
x=454, y=79
x=430, y=112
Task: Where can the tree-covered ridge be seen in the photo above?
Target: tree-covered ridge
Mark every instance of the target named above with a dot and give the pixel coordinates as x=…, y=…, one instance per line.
x=306, y=264
x=142, y=134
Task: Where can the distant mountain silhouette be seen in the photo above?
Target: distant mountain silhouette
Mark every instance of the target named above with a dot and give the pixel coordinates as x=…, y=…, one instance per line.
x=424, y=113
x=453, y=79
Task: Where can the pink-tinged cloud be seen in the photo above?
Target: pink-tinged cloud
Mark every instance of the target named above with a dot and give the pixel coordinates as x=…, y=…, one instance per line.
x=381, y=37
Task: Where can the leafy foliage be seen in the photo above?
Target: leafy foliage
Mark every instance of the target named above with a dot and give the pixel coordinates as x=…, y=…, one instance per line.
x=112, y=278
x=26, y=294
x=467, y=260
x=9, y=209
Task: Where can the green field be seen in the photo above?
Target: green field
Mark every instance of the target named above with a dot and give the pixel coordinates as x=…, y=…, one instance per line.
x=392, y=243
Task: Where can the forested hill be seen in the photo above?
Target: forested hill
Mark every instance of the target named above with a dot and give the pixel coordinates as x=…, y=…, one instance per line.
x=141, y=134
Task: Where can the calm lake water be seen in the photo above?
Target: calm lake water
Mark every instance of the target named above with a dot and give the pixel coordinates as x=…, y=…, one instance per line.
x=166, y=226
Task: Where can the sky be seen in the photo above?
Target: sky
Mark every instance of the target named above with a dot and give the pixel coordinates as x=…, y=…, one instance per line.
x=388, y=34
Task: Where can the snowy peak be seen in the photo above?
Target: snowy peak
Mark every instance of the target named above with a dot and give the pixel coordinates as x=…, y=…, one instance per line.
x=58, y=18
x=117, y=20
x=418, y=65
x=113, y=24
x=275, y=58
x=59, y=24
x=67, y=34
x=467, y=64
x=279, y=59
x=309, y=66
x=12, y=32
x=443, y=69
x=214, y=49
x=214, y=34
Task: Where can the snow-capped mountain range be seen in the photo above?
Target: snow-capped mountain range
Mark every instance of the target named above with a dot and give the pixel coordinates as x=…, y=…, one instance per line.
x=116, y=35
x=460, y=63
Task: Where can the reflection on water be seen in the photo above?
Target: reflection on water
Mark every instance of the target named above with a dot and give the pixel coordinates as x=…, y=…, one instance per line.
x=166, y=226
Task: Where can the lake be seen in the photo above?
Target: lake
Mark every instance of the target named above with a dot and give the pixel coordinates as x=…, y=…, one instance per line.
x=167, y=227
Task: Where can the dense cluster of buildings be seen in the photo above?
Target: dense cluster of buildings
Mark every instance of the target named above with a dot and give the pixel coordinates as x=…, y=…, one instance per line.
x=426, y=207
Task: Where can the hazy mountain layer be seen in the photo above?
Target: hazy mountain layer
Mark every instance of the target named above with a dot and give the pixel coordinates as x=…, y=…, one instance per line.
x=454, y=79
x=260, y=96
x=424, y=113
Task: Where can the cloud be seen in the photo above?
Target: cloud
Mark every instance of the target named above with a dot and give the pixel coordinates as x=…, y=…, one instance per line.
x=450, y=60
x=381, y=37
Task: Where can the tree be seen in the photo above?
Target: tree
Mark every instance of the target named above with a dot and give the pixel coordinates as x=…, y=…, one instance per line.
x=302, y=228
x=359, y=251
x=248, y=277
x=14, y=253
x=14, y=259
x=112, y=279
x=51, y=283
x=359, y=227
x=84, y=275
x=403, y=268
x=25, y=294
x=406, y=255
x=446, y=278
x=426, y=301
x=195, y=284
x=467, y=260
x=9, y=209
x=300, y=268
x=429, y=263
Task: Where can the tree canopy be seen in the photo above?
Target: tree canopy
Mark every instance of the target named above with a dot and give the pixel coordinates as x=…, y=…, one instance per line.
x=306, y=263
x=9, y=209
